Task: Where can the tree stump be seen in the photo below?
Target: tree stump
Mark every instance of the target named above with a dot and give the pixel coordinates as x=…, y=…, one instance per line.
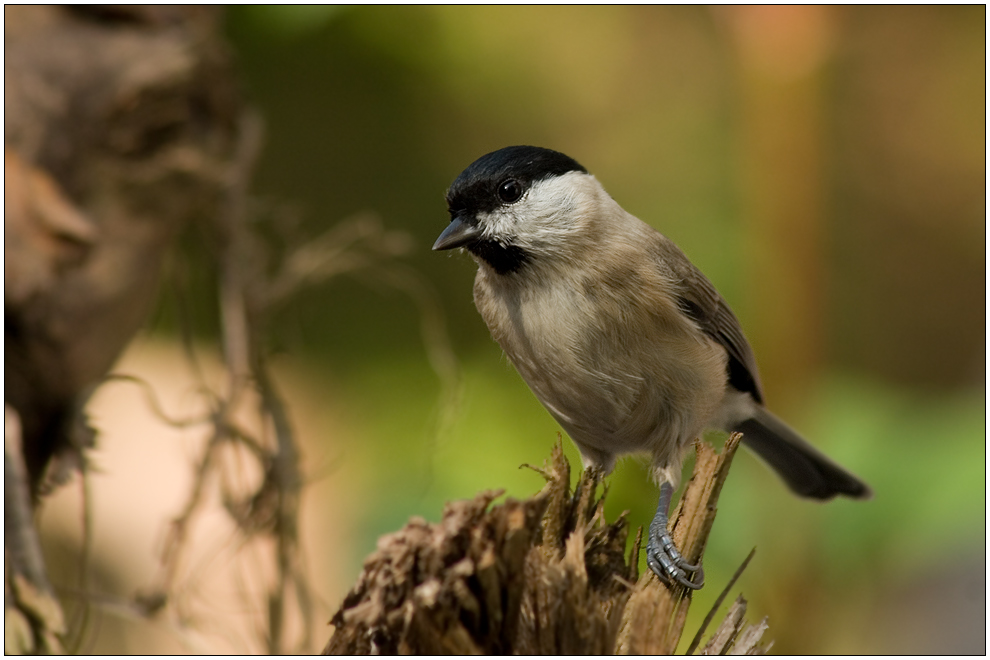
x=546, y=575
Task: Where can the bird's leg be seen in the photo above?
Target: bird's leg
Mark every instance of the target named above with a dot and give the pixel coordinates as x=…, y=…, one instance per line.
x=661, y=555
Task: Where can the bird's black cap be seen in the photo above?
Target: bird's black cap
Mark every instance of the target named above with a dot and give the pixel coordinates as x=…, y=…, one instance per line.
x=474, y=190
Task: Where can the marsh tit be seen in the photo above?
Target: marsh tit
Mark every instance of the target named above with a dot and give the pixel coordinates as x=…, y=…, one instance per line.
x=620, y=337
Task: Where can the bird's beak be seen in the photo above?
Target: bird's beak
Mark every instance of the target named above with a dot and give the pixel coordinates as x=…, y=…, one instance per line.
x=457, y=234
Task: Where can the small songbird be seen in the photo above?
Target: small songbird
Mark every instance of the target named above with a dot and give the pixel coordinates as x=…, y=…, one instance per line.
x=620, y=337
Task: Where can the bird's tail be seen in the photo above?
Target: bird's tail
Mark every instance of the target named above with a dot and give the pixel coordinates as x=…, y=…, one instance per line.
x=806, y=470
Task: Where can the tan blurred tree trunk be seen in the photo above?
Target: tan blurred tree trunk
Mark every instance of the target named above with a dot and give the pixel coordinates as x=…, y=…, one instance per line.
x=780, y=56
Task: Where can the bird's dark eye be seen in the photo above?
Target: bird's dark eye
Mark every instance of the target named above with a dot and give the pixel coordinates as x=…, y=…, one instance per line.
x=510, y=191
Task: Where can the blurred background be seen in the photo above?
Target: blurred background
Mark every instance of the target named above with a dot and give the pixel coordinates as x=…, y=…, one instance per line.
x=824, y=166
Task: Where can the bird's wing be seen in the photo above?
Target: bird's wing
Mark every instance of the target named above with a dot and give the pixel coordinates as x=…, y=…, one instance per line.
x=698, y=299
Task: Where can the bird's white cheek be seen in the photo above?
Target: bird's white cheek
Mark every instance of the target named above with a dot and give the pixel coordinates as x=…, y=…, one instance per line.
x=500, y=226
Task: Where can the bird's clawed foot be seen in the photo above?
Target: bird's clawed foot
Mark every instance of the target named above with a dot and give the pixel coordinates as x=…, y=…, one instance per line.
x=662, y=555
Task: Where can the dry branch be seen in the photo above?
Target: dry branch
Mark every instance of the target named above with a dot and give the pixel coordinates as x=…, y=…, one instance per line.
x=546, y=575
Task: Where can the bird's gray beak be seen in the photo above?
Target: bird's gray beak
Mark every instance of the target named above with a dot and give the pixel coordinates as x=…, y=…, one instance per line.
x=457, y=234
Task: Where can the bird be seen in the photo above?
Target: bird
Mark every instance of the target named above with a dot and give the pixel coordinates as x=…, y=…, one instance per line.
x=621, y=338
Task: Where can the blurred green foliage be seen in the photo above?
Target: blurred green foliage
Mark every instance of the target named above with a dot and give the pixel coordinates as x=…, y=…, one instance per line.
x=379, y=108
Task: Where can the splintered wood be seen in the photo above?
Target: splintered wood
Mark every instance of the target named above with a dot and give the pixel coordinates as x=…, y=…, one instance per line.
x=546, y=575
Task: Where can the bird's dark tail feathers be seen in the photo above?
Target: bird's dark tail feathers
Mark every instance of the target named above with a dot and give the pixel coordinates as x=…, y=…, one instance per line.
x=807, y=471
